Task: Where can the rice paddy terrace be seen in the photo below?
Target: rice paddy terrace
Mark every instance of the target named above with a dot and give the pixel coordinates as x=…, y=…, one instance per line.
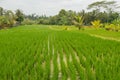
x=42, y=53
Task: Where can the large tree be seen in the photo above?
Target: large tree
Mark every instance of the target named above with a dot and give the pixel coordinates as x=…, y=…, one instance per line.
x=11, y=17
x=62, y=17
x=104, y=10
x=19, y=16
x=106, y=5
x=1, y=11
x=7, y=18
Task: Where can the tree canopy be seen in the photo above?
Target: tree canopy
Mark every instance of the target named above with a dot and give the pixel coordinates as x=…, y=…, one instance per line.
x=106, y=5
x=100, y=10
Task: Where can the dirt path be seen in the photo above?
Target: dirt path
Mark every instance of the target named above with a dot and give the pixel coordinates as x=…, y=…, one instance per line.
x=102, y=37
x=52, y=28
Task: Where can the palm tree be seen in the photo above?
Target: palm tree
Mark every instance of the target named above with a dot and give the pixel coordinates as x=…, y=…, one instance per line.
x=78, y=21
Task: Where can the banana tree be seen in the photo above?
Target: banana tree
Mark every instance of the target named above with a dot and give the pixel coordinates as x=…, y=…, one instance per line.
x=96, y=24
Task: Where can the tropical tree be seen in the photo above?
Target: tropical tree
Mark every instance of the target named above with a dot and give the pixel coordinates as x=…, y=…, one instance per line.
x=105, y=10
x=19, y=16
x=78, y=21
x=11, y=17
x=1, y=11
x=4, y=22
x=106, y=5
x=70, y=16
x=7, y=18
x=62, y=17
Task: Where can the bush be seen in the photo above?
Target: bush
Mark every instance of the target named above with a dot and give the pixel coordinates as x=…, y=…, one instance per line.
x=66, y=28
x=4, y=22
x=43, y=21
x=28, y=22
x=112, y=27
x=117, y=24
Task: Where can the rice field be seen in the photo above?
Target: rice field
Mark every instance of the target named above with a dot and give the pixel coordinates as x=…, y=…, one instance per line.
x=38, y=52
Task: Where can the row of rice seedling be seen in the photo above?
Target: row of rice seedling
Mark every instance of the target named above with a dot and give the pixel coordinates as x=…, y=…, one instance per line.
x=95, y=58
x=39, y=53
x=77, y=66
x=92, y=64
x=22, y=57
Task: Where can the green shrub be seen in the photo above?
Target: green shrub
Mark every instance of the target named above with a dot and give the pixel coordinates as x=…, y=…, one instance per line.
x=112, y=27
x=28, y=22
x=117, y=24
x=66, y=28
x=4, y=22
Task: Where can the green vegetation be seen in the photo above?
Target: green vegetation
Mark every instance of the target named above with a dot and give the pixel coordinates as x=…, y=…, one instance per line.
x=114, y=26
x=67, y=46
x=19, y=16
x=100, y=12
x=9, y=19
x=40, y=52
x=78, y=22
x=103, y=33
x=96, y=24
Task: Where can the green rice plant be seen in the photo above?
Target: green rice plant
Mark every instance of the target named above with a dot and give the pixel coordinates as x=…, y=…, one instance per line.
x=26, y=53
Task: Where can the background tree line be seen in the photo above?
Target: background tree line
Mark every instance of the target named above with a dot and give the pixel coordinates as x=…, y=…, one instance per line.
x=101, y=10
x=104, y=11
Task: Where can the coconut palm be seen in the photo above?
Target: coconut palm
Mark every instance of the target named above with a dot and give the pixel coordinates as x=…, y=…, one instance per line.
x=78, y=21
